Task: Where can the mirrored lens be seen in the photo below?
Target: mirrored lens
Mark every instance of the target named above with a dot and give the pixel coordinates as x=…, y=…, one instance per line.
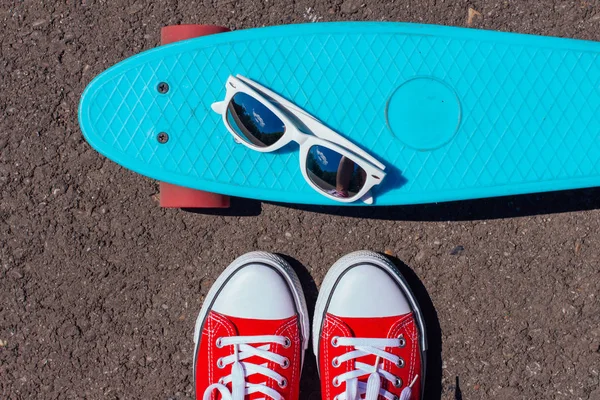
x=253, y=121
x=334, y=173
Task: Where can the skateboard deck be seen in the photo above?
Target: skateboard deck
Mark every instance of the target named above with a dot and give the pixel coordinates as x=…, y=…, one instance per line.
x=452, y=113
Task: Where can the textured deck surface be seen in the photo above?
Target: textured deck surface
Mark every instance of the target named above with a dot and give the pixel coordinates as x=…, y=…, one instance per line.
x=530, y=109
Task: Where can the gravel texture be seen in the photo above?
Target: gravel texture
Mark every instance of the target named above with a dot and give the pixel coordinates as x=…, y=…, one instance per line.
x=99, y=287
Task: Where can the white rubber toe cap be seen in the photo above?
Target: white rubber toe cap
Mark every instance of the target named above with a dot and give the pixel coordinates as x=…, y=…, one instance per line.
x=255, y=291
x=367, y=291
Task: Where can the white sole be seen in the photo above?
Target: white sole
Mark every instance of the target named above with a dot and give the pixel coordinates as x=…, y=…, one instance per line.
x=271, y=260
x=338, y=269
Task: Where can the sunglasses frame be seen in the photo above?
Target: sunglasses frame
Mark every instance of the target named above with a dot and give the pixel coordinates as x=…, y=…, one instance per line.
x=321, y=135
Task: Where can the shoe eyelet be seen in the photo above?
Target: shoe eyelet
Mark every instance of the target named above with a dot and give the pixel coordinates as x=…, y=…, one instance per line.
x=335, y=362
x=220, y=363
x=336, y=382
x=396, y=398
x=402, y=341
x=287, y=343
x=283, y=383
x=219, y=343
x=398, y=382
x=286, y=363
x=334, y=341
x=221, y=381
x=400, y=363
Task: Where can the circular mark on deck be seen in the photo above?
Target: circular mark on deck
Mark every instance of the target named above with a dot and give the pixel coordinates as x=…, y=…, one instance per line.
x=424, y=113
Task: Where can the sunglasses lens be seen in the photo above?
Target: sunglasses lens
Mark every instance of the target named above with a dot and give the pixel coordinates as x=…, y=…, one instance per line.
x=334, y=173
x=253, y=121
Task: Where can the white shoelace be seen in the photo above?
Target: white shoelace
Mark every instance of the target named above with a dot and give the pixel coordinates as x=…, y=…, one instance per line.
x=372, y=389
x=240, y=370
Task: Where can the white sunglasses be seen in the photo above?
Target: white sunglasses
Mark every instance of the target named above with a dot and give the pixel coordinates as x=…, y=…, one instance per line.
x=264, y=121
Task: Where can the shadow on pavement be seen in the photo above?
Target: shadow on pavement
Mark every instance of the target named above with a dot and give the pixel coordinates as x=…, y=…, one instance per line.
x=458, y=392
x=464, y=210
x=433, y=380
x=470, y=210
x=240, y=207
x=310, y=386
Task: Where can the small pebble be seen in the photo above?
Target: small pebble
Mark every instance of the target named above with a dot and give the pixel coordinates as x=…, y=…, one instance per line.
x=15, y=273
x=457, y=250
x=471, y=15
x=420, y=255
x=60, y=188
x=72, y=330
x=351, y=6
x=39, y=22
x=135, y=8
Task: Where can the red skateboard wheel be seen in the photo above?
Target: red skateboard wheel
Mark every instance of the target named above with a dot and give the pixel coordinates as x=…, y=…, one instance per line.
x=173, y=196
x=175, y=33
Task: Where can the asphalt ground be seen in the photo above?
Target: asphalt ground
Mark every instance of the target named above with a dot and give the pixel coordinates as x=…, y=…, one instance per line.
x=99, y=287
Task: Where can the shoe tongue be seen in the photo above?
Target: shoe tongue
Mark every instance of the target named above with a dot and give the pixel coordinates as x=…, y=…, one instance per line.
x=255, y=327
x=372, y=327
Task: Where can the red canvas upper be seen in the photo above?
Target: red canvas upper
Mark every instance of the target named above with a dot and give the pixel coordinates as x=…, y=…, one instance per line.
x=381, y=327
x=219, y=326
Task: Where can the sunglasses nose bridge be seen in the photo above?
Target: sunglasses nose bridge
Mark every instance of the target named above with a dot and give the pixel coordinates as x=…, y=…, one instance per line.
x=301, y=138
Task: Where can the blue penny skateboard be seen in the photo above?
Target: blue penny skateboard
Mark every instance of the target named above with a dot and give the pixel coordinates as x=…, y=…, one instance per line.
x=452, y=113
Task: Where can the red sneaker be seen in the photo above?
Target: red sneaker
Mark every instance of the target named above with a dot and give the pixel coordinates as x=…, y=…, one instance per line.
x=252, y=332
x=368, y=332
